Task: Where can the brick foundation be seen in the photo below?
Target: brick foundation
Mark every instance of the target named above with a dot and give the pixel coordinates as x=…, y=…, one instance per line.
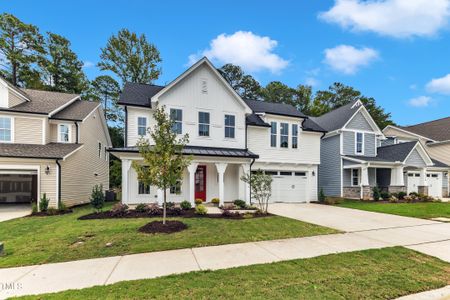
x=423, y=190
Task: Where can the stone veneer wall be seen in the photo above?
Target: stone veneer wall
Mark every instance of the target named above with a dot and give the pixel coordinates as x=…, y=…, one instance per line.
x=422, y=190
x=353, y=192
x=445, y=192
x=396, y=189
x=367, y=192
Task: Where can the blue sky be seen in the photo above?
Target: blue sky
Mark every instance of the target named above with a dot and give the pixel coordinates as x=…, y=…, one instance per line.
x=396, y=51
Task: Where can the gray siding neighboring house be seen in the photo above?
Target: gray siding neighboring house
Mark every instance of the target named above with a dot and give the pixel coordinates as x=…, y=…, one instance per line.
x=359, y=122
x=330, y=166
x=349, y=143
x=415, y=160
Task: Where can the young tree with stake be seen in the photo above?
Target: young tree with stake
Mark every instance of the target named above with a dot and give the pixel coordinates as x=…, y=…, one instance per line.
x=163, y=161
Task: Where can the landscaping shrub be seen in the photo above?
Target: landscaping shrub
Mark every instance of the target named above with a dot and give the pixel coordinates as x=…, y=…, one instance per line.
x=229, y=214
x=393, y=199
x=152, y=209
x=201, y=209
x=408, y=199
x=43, y=203
x=52, y=211
x=385, y=195
x=141, y=207
x=248, y=215
x=185, y=205
x=240, y=203
x=97, y=197
x=198, y=201
x=215, y=201
x=119, y=209
x=401, y=195
x=414, y=194
x=321, y=196
x=170, y=205
x=376, y=193
x=34, y=208
x=62, y=207
x=174, y=211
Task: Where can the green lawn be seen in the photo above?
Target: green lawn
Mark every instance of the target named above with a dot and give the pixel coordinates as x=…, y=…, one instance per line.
x=425, y=210
x=38, y=240
x=372, y=274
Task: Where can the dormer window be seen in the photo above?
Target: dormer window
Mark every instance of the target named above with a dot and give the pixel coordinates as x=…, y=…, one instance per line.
x=5, y=129
x=63, y=133
x=203, y=123
x=359, y=143
x=229, y=126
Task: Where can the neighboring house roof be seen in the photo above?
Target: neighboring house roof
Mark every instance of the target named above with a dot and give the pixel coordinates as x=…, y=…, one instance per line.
x=138, y=94
x=201, y=151
x=439, y=164
x=310, y=125
x=437, y=130
x=77, y=111
x=336, y=119
x=42, y=102
x=282, y=109
x=48, y=151
x=255, y=120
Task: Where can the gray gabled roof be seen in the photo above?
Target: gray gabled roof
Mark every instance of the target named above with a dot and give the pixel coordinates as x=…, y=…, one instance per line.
x=281, y=109
x=438, y=130
x=255, y=120
x=391, y=153
x=336, y=119
x=310, y=125
x=48, y=151
x=42, y=102
x=138, y=94
x=76, y=111
x=201, y=151
x=439, y=164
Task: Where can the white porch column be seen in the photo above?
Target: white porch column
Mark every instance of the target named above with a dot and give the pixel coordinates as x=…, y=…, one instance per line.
x=364, y=176
x=221, y=167
x=126, y=165
x=399, y=178
x=246, y=170
x=192, y=168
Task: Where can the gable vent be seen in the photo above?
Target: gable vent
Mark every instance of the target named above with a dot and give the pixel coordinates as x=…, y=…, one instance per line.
x=204, y=85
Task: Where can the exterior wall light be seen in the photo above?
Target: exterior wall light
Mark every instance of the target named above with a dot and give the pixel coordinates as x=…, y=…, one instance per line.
x=47, y=170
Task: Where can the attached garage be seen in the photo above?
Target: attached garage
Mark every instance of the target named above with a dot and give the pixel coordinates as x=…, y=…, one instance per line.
x=434, y=180
x=289, y=186
x=18, y=187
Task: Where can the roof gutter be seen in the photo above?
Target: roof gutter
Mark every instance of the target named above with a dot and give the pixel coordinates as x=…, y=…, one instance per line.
x=76, y=133
x=58, y=192
x=125, y=143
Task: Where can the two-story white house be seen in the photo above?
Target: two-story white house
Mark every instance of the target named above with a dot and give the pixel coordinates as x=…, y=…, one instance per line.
x=228, y=136
x=50, y=143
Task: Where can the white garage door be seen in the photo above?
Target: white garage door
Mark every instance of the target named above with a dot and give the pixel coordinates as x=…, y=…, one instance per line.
x=434, y=183
x=288, y=186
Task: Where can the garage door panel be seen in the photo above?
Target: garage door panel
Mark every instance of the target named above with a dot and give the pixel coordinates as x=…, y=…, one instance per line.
x=434, y=183
x=289, y=189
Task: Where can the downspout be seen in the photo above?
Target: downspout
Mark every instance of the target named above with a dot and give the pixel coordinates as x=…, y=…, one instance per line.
x=246, y=128
x=76, y=133
x=58, y=193
x=126, y=128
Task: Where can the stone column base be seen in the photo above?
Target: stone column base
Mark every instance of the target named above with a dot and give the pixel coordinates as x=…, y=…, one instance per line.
x=396, y=189
x=445, y=192
x=353, y=192
x=423, y=190
x=367, y=193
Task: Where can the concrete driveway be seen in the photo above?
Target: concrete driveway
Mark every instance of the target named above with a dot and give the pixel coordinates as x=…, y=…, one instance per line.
x=13, y=211
x=345, y=219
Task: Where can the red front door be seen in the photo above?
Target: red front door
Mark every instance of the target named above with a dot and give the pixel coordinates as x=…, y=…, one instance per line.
x=200, y=183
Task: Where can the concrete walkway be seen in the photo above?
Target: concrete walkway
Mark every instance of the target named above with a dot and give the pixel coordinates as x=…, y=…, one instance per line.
x=86, y=273
x=11, y=211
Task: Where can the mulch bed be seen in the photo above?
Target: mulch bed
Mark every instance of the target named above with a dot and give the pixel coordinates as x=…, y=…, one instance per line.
x=159, y=227
x=53, y=213
x=190, y=213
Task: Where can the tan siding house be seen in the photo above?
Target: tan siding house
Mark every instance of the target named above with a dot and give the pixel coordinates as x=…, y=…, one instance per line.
x=49, y=144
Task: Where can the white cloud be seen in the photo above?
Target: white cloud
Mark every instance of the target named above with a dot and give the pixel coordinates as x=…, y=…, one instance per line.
x=439, y=85
x=246, y=49
x=88, y=64
x=395, y=18
x=421, y=101
x=312, y=81
x=348, y=59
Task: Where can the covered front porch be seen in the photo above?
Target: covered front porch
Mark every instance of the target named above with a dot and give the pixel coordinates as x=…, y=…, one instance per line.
x=212, y=173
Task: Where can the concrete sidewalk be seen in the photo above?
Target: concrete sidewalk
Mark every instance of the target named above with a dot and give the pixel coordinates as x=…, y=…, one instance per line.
x=86, y=273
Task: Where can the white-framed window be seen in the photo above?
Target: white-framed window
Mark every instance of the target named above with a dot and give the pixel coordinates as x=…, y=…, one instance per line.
x=355, y=177
x=100, y=148
x=273, y=134
x=230, y=123
x=142, y=126
x=106, y=153
x=359, y=143
x=284, y=135
x=176, y=189
x=176, y=115
x=63, y=133
x=5, y=129
x=203, y=123
x=294, y=136
x=143, y=189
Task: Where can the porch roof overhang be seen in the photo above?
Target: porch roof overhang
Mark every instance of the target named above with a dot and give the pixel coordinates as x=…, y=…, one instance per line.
x=369, y=162
x=196, y=151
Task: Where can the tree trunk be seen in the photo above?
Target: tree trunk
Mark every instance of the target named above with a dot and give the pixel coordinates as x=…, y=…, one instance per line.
x=164, y=207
